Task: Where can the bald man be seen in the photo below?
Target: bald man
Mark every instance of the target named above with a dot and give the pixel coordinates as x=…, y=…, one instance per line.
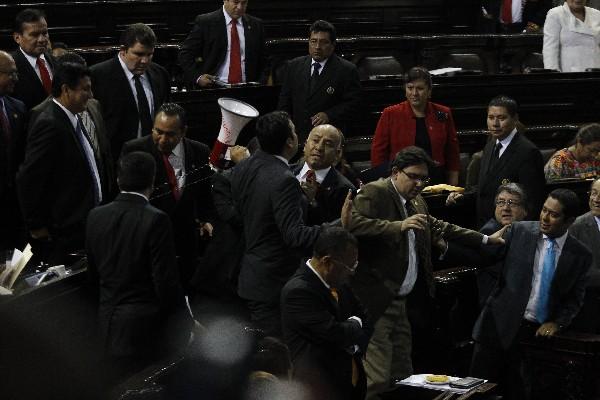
x=324, y=187
x=12, y=150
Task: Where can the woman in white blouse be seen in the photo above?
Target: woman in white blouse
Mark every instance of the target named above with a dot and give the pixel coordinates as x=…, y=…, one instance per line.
x=572, y=37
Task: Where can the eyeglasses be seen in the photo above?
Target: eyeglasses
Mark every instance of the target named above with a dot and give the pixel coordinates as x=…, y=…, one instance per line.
x=11, y=72
x=509, y=203
x=351, y=269
x=594, y=194
x=417, y=178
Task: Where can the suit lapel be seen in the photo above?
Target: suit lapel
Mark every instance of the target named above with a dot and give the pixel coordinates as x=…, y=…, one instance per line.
x=153, y=79
x=506, y=156
x=64, y=120
x=318, y=286
x=396, y=197
x=561, y=275
x=122, y=81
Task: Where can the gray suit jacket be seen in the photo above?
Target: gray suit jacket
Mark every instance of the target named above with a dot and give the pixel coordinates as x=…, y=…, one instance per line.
x=586, y=230
x=499, y=322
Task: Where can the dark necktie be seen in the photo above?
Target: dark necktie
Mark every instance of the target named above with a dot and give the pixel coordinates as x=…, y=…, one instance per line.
x=507, y=11
x=314, y=77
x=310, y=176
x=546, y=275
x=235, y=56
x=91, y=161
x=495, y=156
x=4, y=124
x=143, y=107
x=171, y=177
x=45, y=75
x=421, y=248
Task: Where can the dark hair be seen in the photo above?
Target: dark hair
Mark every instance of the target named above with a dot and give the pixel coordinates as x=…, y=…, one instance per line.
x=589, y=133
x=27, y=16
x=71, y=57
x=515, y=189
x=323, y=26
x=70, y=74
x=334, y=242
x=135, y=33
x=60, y=45
x=272, y=356
x=273, y=130
x=508, y=103
x=412, y=155
x=136, y=171
x=416, y=73
x=569, y=201
x=174, y=110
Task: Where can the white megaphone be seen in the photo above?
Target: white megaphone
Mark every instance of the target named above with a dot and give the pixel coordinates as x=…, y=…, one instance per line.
x=235, y=115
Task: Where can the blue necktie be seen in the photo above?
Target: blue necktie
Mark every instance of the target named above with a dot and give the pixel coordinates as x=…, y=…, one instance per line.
x=546, y=282
x=83, y=140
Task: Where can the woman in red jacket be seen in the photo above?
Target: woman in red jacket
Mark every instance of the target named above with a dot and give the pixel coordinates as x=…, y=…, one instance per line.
x=418, y=122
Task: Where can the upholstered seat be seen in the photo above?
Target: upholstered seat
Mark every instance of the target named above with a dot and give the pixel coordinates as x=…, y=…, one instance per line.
x=371, y=67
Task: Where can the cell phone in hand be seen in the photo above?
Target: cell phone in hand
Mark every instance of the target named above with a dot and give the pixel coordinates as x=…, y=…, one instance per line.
x=466, y=383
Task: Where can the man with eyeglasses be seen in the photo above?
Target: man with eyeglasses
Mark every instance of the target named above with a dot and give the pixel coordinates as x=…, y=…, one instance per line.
x=12, y=152
x=181, y=184
x=324, y=324
x=395, y=233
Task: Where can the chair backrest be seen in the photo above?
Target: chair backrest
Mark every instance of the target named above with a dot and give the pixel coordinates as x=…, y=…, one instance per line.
x=382, y=65
x=466, y=61
x=532, y=61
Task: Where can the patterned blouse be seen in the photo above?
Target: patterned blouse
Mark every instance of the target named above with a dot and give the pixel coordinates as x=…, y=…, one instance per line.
x=564, y=165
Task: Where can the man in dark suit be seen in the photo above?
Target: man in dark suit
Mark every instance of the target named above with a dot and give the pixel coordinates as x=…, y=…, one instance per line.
x=507, y=157
x=12, y=151
x=130, y=87
x=34, y=63
x=59, y=181
x=268, y=198
x=395, y=233
x=587, y=229
x=540, y=290
x=324, y=324
x=227, y=45
x=95, y=128
x=181, y=184
x=131, y=263
x=513, y=16
x=320, y=88
x=324, y=187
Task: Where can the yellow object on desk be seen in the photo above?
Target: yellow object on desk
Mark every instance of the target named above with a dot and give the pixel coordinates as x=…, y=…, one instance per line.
x=437, y=379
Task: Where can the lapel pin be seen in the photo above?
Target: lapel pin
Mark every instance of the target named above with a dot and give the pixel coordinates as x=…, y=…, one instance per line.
x=330, y=90
x=505, y=181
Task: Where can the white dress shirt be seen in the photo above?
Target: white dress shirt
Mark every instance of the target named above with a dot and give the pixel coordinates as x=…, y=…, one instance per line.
x=320, y=174
x=177, y=161
x=506, y=141
x=413, y=260
x=147, y=89
x=223, y=71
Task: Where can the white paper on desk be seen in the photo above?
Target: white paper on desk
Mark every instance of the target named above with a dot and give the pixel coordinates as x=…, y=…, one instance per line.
x=419, y=380
x=9, y=267
x=442, y=71
x=18, y=267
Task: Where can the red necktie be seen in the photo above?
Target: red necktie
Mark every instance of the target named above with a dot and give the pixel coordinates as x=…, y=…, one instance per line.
x=171, y=177
x=235, y=57
x=4, y=124
x=507, y=11
x=310, y=176
x=45, y=75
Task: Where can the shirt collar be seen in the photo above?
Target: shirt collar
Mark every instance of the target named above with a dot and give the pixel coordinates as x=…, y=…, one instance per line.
x=178, y=150
x=72, y=117
x=312, y=61
x=228, y=18
x=316, y=273
x=282, y=159
x=136, y=193
x=319, y=173
x=402, y=199
x=506, y=141
x=128, y=73
x=560, y=241
x=597, y=221
x=33, y=60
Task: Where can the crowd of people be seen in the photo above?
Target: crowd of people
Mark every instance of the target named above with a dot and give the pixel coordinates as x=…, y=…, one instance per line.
x=98, y=160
